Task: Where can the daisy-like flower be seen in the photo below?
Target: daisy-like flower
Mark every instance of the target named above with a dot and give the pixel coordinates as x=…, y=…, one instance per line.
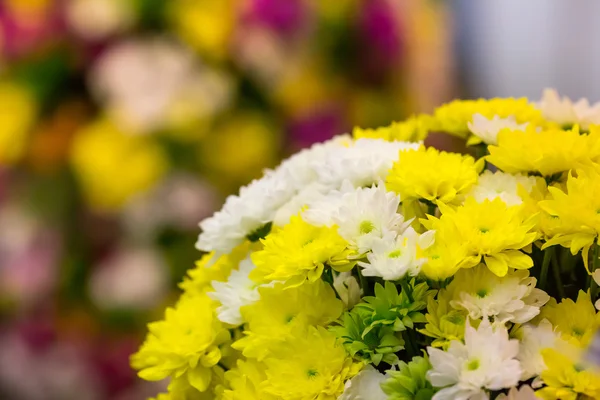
x=566, y=113
x=546, y=152
x=488, y=230
x=576, y=210
x=486, y=130
x=238, y=291
x=281, y=313
x=501, y=185
x=367, y=214
x=363, y=162
x=365, y=386
x=313, y=365
x=483, y=294
x=394, y=257
x=533, y=339
x=433, y=175
x=486, y=360
x=298, y=252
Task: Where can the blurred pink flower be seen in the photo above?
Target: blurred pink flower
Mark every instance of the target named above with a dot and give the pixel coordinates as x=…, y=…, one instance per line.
x=282, y=16
x=29, y=254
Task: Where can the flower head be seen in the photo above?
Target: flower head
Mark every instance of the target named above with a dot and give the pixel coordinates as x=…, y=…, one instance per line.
x=312, y=365
x=433, y=175
x=566, y=113
x=296, y=253
x=547, y=152
x=414, y=129
x=508, y=187
x=486, y=130
x=533, y=339
x=486, y=360
x=281, y=313
x=186, y=345
x=488, y=230
x=409, y=382
x=365, y=386
x=483, y=294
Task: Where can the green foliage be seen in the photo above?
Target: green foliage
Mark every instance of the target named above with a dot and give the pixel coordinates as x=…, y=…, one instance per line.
x=390, y=308
x=372, y=345
x=410, y=381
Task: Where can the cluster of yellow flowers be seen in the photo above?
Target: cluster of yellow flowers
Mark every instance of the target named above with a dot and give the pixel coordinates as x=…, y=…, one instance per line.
x=372, y=267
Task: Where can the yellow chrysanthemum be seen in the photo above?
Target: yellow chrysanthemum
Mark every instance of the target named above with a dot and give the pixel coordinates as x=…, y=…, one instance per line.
x=281, y=313
x=576, y=212
x=433, y=175
x=454, y=117
x=185, y=346
x=207, y=270
x=443, y=323
x=17, y=115
x=566, y=379
x=548, y=152
x=113, y=166
x=309, y=366
x=577, y=322
x=445, y=256
x=490, y=230
x=414, y=129
x=298, y=252
x=245, y=382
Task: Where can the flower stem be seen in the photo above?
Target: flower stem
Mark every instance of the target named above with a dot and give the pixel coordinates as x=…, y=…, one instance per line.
x=556, y=274
x=363, y=282
x=593, y=285
x=406, y=289
x=431, y=209
x=545, y=265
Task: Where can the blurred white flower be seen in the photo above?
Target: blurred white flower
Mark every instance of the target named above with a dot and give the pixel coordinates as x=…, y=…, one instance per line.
x=365, y=386
x=486, y=360
x=110, y=285
x=533, y=340
x=150, y=84
x=99, y=19
x=525, y=392
x=487, y=129
x=491, y=185
x=180, y=201
x=564, y=112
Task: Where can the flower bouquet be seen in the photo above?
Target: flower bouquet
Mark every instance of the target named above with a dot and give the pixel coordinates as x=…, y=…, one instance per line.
x=373, y=267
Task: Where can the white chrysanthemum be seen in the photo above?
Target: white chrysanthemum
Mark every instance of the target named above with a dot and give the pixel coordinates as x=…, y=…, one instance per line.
x=525, y=392
x=366, y=214
x=483, y=294
x=395, y=256
x=363, y=162
x=563, y=111
x=365, y=386
x=313, y=193
x=321, y=210
x=348, y=289
x=258, y=203
x=238, y=291
x=487, y=129
x=533, y=340
x=492, y=185
x=485, y=361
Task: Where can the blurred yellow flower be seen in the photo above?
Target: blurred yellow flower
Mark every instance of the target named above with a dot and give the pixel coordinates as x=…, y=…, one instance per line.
x=17, y=113
x=414, y=129
x=206, y=25
x=112, y=166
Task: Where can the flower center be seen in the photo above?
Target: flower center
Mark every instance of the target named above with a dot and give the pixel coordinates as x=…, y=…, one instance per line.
x=312, y=373
x=481, y=293
x=484, y=230
x=473, y=365
x=395, y=254
x=366, y=227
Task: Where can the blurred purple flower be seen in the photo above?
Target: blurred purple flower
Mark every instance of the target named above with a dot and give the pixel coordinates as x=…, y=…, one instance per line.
x=380, y=30
x=283, y=16
x=319, y=125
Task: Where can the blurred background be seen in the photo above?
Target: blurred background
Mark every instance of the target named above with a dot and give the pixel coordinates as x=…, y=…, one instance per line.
x=123, y=123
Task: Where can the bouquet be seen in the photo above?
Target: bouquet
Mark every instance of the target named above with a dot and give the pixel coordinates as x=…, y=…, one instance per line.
x=374, y=267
